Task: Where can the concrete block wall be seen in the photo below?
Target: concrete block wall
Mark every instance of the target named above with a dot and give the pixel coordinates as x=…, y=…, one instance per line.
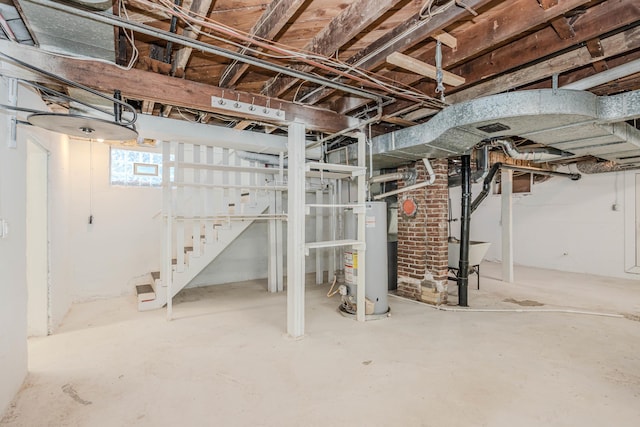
x=422, y=238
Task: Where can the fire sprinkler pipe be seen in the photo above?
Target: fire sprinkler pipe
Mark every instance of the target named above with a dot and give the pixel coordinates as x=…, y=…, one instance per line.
x=465, y=224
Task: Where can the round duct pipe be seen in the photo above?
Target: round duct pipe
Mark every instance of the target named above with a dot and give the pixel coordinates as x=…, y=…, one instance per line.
x=591, y=167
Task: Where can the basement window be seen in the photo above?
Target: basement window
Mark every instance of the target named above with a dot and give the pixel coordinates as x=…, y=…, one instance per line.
x=135, y=168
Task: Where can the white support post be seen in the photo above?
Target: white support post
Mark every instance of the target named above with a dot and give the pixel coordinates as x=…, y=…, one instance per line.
x=506, y=185
x=361, y=279
x=180, y=202
x=279, y=235
x=12, y=118
x=331, y=268
x=238, y=191
x=225, y=180
x=272, y=270
x=166, y=275
x=319, y=237
x=210, y=206
x=196, y=230
x=295, y=231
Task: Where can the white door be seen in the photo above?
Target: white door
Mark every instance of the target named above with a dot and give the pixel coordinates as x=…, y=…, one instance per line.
x=37, y=240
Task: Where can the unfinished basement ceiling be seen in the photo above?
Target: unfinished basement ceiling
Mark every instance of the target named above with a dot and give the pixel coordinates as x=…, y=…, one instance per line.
x=492, y=46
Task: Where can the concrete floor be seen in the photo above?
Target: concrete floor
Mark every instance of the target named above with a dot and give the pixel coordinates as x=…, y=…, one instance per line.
x=225, y=361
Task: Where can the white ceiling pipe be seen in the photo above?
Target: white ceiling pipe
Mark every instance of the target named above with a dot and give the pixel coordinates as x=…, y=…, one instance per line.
x=606, y=76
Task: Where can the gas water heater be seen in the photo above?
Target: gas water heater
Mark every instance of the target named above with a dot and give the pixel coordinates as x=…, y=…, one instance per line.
x=376, y=278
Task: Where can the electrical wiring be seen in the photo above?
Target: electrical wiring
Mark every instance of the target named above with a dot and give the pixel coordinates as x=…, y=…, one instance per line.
x=194, y=20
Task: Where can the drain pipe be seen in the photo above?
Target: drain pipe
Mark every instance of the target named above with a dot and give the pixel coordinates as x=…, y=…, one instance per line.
x=465, y=224
x=486, y=185
x=481, y=173
x=431, y=180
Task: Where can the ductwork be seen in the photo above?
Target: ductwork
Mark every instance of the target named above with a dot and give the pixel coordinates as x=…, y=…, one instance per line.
x=479, y=174
x=536, y=155
x=395, y=176
x=590, y=167
x=575, y=122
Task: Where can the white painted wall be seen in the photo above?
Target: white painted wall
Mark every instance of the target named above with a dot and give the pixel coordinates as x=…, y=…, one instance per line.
x=123, y=243
x=13, y=253
x=563, y=225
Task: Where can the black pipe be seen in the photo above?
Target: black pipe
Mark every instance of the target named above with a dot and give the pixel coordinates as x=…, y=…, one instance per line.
x=486, y=186
x=465, y=225
x=117, y=108
x=172, y=29
x=536, y=171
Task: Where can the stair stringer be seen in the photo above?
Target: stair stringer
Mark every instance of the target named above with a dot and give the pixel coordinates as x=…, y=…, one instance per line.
x=210, y=251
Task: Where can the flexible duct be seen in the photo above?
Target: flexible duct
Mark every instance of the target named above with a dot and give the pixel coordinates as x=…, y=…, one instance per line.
x=603, y=167
x=538, y=154
x=394, y=176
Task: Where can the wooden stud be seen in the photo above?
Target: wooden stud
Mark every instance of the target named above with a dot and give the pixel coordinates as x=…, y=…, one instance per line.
x=446, y=39
x=408, y=63
x=563, y=28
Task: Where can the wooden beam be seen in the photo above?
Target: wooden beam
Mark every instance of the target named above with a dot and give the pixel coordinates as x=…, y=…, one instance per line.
x=147, y=107
x=341, y=30
x=198, y=7
x=408, y=63
x=243, y=124
x=614, y=45
x=497, y=29
x=563, y=28
x=595, y=48
x=274, y=18
x=547, y=4
x=446, y=39
x=609, y=15
x=600, y=66
x=143, y=85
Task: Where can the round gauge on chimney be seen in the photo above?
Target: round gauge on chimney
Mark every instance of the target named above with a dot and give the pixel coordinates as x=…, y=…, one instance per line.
x=409, y=207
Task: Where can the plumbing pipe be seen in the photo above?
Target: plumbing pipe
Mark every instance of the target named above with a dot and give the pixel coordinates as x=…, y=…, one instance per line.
x=481, y=173
x=431, y=180
x=486, y=185
x=465, y=225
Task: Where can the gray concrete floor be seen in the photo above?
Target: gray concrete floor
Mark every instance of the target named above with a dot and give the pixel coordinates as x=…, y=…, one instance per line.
x=225, y=361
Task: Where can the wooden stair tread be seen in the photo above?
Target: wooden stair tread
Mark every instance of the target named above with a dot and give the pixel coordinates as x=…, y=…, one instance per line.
x=155, y=275
x=144, y=289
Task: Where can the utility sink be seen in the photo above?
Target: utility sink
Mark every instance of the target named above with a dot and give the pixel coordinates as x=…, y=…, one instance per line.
x=477, y=251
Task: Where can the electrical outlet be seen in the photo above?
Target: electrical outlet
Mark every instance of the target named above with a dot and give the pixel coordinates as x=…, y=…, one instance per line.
x=615, y=207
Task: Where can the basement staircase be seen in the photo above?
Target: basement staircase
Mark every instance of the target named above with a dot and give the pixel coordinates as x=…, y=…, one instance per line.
x=206, y=206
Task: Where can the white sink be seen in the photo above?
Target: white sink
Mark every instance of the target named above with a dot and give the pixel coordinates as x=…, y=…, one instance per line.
x=477, y=251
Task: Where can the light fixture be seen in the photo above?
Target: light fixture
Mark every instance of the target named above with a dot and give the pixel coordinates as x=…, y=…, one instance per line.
x=83, y=126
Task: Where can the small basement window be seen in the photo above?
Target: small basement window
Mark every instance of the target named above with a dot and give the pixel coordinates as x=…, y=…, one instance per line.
x=135, y=168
